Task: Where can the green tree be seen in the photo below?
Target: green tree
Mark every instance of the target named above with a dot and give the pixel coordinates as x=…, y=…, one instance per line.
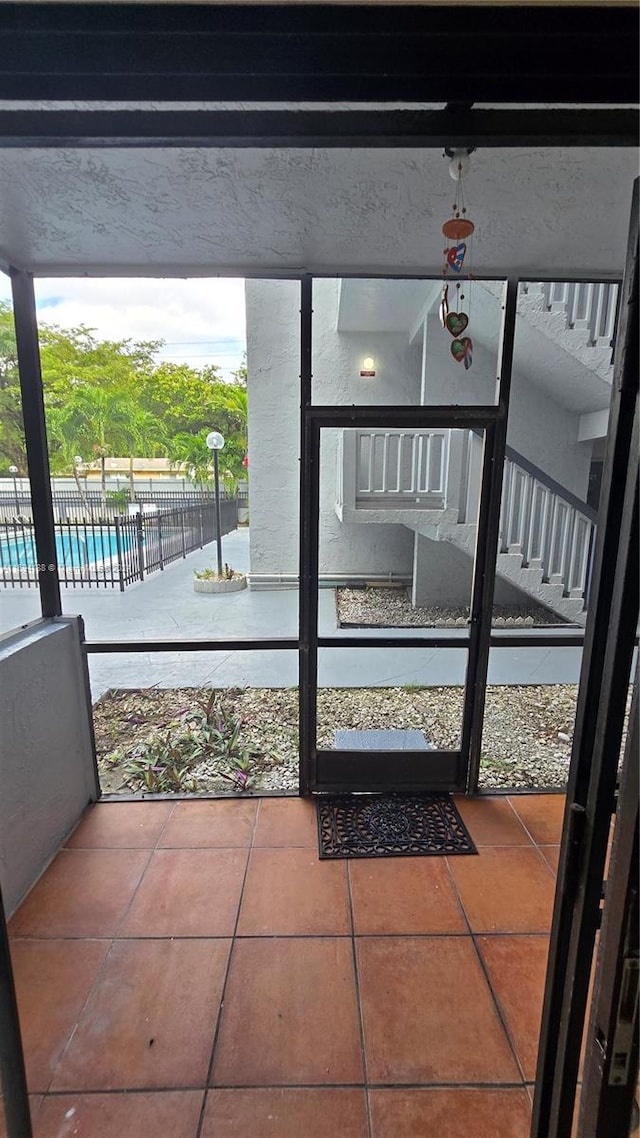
x=12, y=445
x=97, y=422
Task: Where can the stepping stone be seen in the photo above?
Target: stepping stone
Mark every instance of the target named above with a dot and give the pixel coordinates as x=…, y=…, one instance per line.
x=381, y=741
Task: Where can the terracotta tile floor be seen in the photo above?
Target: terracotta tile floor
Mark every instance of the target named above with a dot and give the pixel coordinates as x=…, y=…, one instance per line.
x=194, y=971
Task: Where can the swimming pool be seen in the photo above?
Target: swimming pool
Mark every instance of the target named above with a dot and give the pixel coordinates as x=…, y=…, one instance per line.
x=75, y=549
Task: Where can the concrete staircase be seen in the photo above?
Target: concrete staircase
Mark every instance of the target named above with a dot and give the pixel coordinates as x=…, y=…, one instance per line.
x=430, y=482
x=578, y=318
x=511, y=565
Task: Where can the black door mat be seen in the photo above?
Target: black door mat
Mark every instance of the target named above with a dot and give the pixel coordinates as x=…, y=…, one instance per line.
x=391, y=825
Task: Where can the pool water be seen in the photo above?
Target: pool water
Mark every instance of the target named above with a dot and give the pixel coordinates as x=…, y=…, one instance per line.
x=75, y=550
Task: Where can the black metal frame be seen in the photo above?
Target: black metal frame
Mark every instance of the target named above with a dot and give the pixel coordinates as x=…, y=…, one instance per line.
x=13, y=1080
x=606, y=666
x=324, y=771
x=318, y=129
x=35, y=433
x=258, y=53
x=611, y=1059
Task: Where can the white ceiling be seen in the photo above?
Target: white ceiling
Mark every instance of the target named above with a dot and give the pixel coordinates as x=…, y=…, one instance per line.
x=242, y=212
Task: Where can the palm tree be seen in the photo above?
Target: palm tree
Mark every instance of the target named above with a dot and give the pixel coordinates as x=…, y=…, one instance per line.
x=101, y=421
x=145, y=435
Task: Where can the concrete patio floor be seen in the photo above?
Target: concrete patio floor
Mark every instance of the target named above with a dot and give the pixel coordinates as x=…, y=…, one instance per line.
x=164, y=606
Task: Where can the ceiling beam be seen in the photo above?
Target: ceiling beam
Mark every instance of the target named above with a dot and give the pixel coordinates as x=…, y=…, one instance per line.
x=325, y=129
x=319, y=52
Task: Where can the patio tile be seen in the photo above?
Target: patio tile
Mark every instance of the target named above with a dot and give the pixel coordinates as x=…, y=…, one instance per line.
x=84, y=893
x=150, y=1019
x=492, y=822
x=188, y=893
x=285, y=1113
x=404, y=895
x=120, y=825
x=551, y=854
x=171, y=1114
x=542, y=814
x=517, y=968
x=428, y=1013
x=219, y=822
x=505, y=890
x=292, y=892
x=286, y=822
x=53, y=980
x=290, y=1014
x=450, y=1113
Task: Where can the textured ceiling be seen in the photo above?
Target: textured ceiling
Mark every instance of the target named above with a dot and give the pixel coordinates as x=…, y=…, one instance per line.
x=190, y=212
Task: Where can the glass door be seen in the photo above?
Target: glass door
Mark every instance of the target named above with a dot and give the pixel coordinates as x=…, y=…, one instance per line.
x=400, y=500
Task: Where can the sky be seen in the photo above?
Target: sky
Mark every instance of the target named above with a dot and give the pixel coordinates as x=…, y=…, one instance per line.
x=201, y=321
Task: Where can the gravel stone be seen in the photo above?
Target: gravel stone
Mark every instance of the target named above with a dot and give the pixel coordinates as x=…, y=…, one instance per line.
x=392, y=608
x=526, y=742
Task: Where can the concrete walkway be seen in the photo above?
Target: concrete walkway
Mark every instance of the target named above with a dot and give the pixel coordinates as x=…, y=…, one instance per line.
x=164, y=606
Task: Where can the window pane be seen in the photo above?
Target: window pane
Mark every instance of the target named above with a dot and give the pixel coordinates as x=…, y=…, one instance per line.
x=383, y=342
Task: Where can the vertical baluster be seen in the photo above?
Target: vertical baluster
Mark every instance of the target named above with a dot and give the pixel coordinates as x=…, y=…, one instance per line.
x=385, y=456
x=443, y=466
x=591, y=300
x=610, y=311
x=531, y=533
x=371, y=438
x=598, y=311
x=416, y=459
x=556, y=543
x=545, y=528
x=525, y=508
x=400, y=438
x=569, y=297
x=568, y=547
x=513, y=496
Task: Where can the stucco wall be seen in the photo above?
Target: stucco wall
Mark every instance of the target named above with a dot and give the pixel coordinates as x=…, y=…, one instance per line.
x=273, y=368
x=47, y=772
x=273, y=382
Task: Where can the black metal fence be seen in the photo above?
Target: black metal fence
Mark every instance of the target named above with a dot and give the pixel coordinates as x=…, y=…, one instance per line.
x=114, y=552
x=90, y=505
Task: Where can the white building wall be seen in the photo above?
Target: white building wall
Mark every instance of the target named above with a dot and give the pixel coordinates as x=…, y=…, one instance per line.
x=273, y=383
x=273, y=354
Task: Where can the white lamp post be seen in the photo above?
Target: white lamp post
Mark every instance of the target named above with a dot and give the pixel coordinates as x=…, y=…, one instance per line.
x=215, y=442
x=13, y=470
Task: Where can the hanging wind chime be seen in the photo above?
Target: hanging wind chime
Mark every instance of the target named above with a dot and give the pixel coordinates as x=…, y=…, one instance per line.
x=457, y=256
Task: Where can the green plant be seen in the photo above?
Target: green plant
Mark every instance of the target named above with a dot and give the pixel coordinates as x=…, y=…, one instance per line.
x=210, y=574
x=208, y=733
x=118, y=497
x=218, y=730
x=162, y=765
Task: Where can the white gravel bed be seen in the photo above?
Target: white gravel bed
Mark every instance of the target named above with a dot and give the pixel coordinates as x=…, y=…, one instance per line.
x=526, y=744
x=392, y=608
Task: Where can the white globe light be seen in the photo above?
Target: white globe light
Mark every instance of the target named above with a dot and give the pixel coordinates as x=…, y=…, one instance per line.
x=459, y=165
x=215, y=440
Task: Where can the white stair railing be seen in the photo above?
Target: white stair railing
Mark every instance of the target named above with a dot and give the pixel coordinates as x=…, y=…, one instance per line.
x=546, y=525
x=401, y=468
x=541, y=522
x=586, y=305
